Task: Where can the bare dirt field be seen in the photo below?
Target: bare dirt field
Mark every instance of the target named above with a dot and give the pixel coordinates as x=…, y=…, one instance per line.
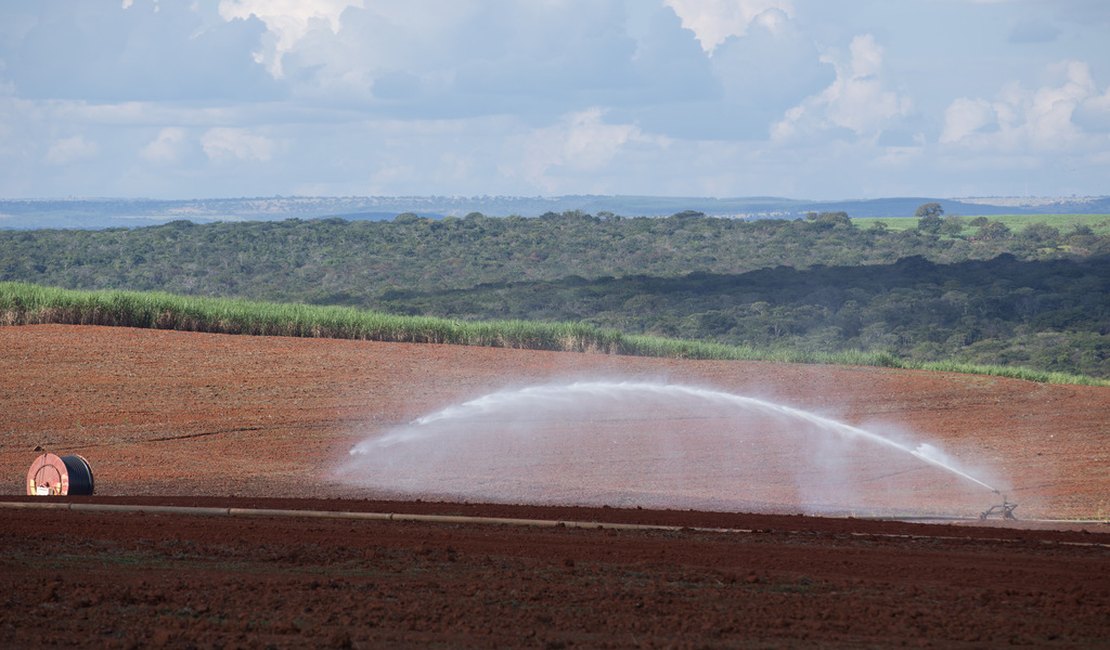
x=195, y=419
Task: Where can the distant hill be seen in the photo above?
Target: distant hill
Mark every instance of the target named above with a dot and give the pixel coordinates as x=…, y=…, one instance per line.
x=100, y=213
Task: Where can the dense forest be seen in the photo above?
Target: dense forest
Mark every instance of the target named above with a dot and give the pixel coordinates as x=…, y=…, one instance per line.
x=1050, y=315
x=977, y=292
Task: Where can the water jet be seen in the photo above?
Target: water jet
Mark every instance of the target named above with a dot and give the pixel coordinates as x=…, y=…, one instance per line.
x=658, y=444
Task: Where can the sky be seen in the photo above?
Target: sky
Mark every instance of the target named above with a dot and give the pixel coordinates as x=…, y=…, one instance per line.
x=810, y=99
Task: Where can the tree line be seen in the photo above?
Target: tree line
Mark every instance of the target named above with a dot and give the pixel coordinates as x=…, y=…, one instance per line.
x=1050, y=315
x=811, y=282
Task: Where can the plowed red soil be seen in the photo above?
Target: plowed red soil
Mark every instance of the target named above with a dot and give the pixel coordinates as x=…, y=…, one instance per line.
x=195, y=419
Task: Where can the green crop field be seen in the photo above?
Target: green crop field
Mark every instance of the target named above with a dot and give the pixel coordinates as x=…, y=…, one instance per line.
x=22, y=304
x=1098, y=223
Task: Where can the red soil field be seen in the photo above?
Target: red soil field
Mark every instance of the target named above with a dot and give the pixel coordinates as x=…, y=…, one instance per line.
x=197, y=419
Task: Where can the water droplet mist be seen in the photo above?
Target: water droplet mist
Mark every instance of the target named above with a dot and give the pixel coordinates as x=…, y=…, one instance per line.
x=659, y=445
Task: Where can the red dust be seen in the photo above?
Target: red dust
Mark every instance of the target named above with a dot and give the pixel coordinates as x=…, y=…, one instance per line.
x=196, y=419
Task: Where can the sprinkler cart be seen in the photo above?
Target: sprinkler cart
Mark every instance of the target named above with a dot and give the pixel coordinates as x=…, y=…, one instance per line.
x=1004, y=510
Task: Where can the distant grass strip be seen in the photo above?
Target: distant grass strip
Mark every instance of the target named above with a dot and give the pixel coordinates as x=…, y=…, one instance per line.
x=1098, y=223
x=28, y=304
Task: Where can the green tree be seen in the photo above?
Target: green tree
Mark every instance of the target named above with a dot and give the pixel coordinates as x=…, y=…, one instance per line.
x=1040, y=233
x=953, y=226
x=930, y=223
x=929, y=210
x=994, y=231
x=829, y=218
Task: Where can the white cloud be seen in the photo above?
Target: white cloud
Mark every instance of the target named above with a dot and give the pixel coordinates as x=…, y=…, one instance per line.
x=168, y=147
x=580, y=143
x=70, y=150
x=457, y=58
x=767, y=72
x=1038, y=120
x=143, y=114
x=527, y=96
x=441, y=58
x=966, y=116
x=288, y=22
x=102, y=53
x=222, y=144
x=856, y=100
x=1049, y=116
x=1094, y=113
x=587, y=143
x=714, y=21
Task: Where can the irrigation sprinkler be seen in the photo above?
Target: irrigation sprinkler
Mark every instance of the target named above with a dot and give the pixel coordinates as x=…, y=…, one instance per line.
x=1005, y=510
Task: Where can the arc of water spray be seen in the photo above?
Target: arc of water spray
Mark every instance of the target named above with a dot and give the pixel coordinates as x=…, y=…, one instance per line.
x=504, y=399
